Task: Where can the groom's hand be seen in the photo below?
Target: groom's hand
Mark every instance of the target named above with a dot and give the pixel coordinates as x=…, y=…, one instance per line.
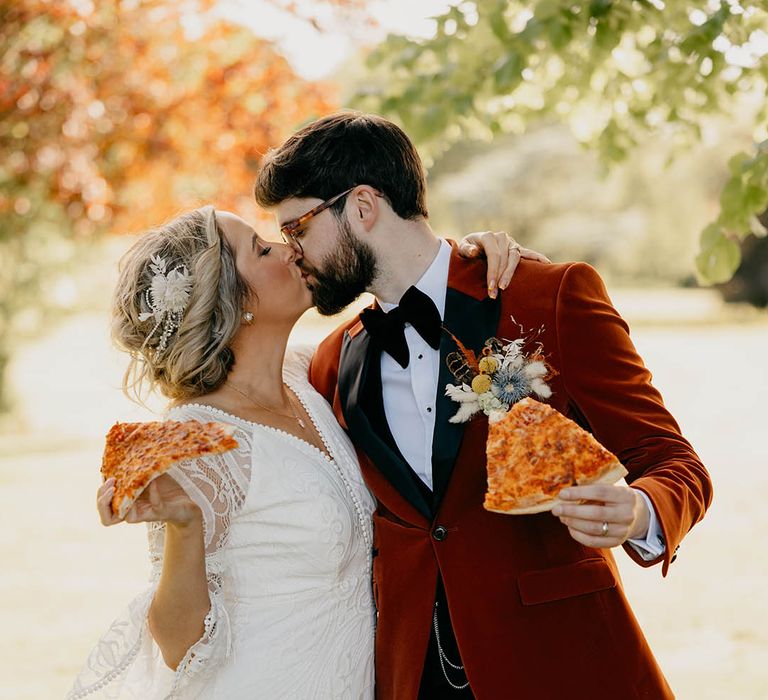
x=503, y=254
x=587, y=508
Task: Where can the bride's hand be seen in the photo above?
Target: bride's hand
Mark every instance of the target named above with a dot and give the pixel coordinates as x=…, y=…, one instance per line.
x=163, y=500
x=503, y=254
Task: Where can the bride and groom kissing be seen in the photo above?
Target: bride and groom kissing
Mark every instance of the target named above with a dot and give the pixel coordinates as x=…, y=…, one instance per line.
x=343, y=551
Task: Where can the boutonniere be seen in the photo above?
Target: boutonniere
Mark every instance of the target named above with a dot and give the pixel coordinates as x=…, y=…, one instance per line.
x=502, y=375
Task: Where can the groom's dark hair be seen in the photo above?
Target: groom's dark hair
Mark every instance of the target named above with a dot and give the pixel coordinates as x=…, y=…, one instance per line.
x=340, y=151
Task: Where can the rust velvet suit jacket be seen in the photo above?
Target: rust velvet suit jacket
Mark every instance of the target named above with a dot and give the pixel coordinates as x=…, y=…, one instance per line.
x=536, y=615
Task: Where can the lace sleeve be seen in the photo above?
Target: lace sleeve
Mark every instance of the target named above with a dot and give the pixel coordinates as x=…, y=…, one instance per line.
x=127, y=663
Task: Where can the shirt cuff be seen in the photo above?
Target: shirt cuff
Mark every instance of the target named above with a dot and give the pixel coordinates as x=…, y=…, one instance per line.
x=652, y=545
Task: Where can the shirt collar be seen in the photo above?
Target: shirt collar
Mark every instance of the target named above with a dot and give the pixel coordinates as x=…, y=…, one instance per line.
x=434, y=282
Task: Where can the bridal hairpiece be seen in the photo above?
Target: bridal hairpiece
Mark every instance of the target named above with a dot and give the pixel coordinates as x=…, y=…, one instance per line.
x=167, y=297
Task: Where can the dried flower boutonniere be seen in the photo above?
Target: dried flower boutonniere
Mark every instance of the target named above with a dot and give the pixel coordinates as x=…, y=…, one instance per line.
x=499, y=378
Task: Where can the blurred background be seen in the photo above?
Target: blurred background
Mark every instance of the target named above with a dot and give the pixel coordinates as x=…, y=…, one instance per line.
x=628, y=133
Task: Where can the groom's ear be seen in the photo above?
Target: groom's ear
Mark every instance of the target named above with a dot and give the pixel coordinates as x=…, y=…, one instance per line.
x=366, y=206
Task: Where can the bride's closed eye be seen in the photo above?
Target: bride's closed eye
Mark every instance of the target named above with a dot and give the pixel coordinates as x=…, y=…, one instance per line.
x=256, y=243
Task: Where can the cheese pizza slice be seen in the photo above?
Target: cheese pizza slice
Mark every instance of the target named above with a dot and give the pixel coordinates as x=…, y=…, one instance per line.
x=534, y=452
x=137, y=453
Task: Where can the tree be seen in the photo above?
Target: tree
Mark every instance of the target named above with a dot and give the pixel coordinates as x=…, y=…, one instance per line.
x=614, y=70
x=750, y=282
x=113, y=118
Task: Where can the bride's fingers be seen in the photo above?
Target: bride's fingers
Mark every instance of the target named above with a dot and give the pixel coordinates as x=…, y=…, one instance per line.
x=529, y=254
x=512, y=261
x=141, y=512
x=104, y=502
x=150, y=506
x=494, y=246
x=132, y=516
x=504, y=244
x=467, y=249
x=153, y=492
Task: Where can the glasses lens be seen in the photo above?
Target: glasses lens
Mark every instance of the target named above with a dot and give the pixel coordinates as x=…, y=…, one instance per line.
x=294, y=243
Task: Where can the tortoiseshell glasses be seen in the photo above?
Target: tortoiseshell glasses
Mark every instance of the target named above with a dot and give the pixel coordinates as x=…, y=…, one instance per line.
x=291, y=230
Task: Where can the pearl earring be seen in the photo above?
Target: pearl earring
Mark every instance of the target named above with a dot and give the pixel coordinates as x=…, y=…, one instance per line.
x=248, y=317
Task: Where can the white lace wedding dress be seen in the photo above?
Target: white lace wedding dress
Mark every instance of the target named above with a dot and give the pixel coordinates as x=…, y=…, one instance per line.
x=288, y=557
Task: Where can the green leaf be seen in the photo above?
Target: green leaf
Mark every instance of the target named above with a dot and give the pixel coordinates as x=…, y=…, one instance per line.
x=717, y=262
x=710, y=236
x=755, y=199
x=508, y=72
x=739, y=201
x=736, y=163
x=735, y=220
x=758, y=174
x=600, y=8
x=560, y=34
x=606, y=38
x=498, y=23
x=531, y=32
x=731, y=197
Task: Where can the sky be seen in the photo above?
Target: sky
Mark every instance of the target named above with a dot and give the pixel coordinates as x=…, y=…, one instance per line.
x=315, y=55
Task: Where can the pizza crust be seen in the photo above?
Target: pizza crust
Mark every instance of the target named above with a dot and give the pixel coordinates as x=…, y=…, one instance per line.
x=611, y=475
x=549, y=504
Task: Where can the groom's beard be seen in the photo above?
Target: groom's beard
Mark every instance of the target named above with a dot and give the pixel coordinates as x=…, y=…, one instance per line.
x=346, y=273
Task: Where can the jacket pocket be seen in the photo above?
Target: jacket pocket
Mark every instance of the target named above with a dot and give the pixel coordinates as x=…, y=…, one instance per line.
x=560, y=582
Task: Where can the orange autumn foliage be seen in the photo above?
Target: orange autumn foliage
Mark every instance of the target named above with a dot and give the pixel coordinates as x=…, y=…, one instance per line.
x=115, y=115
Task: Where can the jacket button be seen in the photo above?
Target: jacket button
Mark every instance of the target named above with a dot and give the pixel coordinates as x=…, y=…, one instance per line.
x=439, y=533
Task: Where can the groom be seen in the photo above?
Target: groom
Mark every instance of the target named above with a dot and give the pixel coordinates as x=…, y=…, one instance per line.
x=473, y=603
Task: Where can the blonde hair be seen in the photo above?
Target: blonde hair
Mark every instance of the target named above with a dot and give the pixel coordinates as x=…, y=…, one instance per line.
x=198, y=356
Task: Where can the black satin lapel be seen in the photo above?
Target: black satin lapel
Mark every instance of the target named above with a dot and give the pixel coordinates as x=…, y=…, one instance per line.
x=472, y=322
x=355, y=367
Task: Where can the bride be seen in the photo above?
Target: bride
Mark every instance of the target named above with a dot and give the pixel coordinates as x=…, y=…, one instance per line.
x=261, y=557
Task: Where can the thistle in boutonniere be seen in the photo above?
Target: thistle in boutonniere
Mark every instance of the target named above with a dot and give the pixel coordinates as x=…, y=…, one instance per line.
x=499, y=378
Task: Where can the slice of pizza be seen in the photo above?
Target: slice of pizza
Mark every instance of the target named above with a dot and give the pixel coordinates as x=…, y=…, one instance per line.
x=137, y=453
x=534, y=452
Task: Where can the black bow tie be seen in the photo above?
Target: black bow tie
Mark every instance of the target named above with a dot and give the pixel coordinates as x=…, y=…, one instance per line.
x=387, y=330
